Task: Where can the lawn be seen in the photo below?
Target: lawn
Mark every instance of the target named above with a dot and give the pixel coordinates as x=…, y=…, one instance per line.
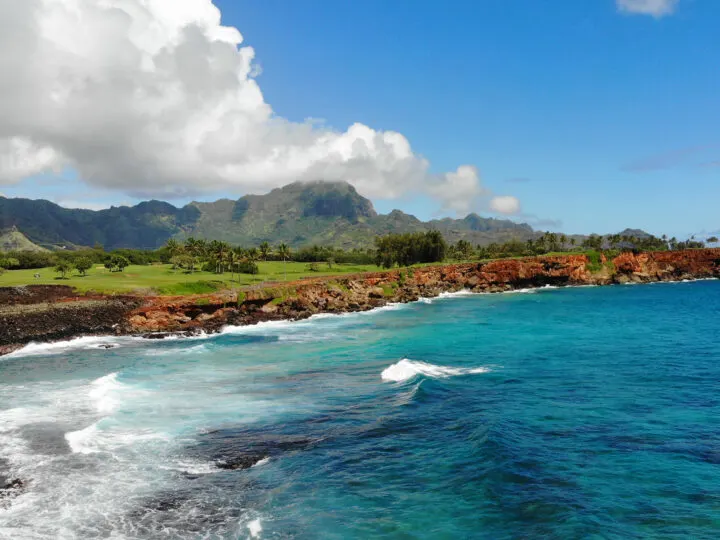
x=165, y=280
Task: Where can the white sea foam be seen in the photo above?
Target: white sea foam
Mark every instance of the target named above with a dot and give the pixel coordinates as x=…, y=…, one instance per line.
x=392, y=306
x=265, y=327
x=263, y=461
x=319, y=316
x=95, y=342
x=190, y=467
x=82, y=441
x=85, y=342
x=675, y=282
x=107, y=393
x=102, y=391
x=258, y=328
x=95, y=438
x=255, y=528
x=406, y=369
x=449, y=294
x=456, y=294
x=176, y=351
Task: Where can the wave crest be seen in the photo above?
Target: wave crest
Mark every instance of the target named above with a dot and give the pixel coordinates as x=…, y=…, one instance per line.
x=406, y=369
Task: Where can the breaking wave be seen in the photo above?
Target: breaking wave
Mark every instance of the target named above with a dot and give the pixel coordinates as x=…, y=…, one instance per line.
x=406, y=369
x=84, y=342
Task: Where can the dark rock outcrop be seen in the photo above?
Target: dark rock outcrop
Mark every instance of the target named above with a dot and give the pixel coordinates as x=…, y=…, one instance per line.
x=22, y=324
x=10, y=490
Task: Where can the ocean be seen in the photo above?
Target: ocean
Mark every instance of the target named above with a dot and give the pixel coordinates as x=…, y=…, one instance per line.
x=589, y=412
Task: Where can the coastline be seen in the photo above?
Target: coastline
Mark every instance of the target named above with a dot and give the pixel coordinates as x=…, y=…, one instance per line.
x=28, y=316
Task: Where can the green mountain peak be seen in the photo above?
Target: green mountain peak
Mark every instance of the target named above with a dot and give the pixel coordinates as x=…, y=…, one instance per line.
x=299, y=214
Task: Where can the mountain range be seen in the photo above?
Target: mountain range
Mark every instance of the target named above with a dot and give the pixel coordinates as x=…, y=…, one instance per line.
x=299, y=214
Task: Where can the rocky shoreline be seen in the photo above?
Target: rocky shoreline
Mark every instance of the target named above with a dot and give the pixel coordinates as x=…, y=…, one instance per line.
x=47, y=313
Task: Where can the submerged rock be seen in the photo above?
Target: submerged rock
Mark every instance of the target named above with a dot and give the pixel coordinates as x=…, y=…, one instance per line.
x=10, y=489
x=240, y=462
x=239, y=450
x=13, y=485
x=166, y=335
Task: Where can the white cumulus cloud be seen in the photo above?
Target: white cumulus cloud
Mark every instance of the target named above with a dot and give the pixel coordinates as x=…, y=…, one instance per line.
x=505, y=204
x=655, y=8
x=158, y=98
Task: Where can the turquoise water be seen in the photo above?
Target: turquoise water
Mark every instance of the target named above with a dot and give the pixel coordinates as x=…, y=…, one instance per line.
x=561, y=413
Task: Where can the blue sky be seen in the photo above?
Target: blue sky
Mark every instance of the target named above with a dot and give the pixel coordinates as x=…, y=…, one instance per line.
x=595, y=119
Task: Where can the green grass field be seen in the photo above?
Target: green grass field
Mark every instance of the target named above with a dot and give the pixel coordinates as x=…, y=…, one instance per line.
x=164, y=280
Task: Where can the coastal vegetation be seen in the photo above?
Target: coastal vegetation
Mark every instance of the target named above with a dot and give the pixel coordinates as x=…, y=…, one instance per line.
x=196, y=266
x=410, y=248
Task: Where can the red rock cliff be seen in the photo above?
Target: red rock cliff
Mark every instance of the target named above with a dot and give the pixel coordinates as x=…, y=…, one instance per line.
x=366, y=291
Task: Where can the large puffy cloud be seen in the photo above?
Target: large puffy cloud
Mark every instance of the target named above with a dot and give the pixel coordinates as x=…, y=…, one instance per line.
x=505, y=204
x=157, y=98
x=656, y=8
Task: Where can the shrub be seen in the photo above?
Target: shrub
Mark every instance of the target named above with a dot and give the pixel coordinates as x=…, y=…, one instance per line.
x=9, y=262
x=388, y=288
x=83, y=264
x=32, y=259
x=247, y=267
x=594, y=261
x=63, y=268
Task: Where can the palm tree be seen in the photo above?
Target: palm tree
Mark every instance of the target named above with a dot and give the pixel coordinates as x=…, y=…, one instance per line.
x=230, y=260
x=284, y=252
x=219, y=250
x=264, y=250
x=173, y=247
x=238, y=256
x=193, y=248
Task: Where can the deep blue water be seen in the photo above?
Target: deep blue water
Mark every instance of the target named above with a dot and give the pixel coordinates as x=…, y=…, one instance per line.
x=568, y=413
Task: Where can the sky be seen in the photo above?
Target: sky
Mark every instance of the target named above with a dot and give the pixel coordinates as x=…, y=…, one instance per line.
x=572, y=116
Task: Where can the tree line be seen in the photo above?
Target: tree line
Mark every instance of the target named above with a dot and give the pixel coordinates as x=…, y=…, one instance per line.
x=191, y=255
x=389, y=250
x=549, y=242
x=410, y=248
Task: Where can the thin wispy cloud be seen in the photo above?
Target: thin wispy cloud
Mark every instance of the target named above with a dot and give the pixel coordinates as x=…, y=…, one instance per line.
x=539, y=223
x=669, y=159
x=654, y=8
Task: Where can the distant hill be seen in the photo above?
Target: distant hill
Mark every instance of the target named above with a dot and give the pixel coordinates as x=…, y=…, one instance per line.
x=636, y=233
x=146, y=225
x=13, y=240
x=299, y=214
